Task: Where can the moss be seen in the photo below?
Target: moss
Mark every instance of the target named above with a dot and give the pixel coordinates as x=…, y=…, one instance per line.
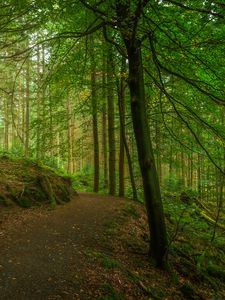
x=25, y=182
x=47, y=188
x=210, y=220
x=131, y=211
x=110, y=263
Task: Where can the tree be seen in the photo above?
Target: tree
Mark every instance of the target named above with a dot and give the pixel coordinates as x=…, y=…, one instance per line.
x=173, y=53
x=94, y=116
x=111, y=123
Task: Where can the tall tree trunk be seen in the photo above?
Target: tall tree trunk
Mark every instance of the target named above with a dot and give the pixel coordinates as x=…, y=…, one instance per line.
x=182, y=161
x=123, y=140
x=156, y=221
x=199, y=176
x=6, y=124
x=111, y=125
x=104, y=125
x=27, y=118
x=38, y=112
x=171, y=156
x=158, y=150
x=121, y=102
x=69, y=141
x=94, y=117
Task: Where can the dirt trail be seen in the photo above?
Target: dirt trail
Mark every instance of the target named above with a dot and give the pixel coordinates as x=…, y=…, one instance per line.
x=44, y=254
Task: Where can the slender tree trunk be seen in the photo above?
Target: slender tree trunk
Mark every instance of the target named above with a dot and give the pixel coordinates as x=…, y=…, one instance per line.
x=111, y=125
x=73, y=152
x=27, y=118
x=121, y=102
x=158, y=235
x=158, y=150
x=183, y=168
x=123, y=140
x=69, y=141
x=6, y=124
x=104, y=126
x=38, y=113
x=199, y=177
x=94, y=117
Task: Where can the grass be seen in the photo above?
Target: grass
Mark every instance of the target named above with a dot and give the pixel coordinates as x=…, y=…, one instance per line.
x=107, y=262
x=110, y=263
x=110, y=293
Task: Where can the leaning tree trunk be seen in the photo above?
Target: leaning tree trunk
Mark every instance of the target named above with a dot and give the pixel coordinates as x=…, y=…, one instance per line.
x=158, y=235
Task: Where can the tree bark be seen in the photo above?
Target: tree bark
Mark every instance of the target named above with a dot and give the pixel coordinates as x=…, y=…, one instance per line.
x=121, y=102
x=123, y=140
x=27, y=110
x=6, y=124
x=94, y=117
x=111, y=125
x=104, y=125
x=158, y=235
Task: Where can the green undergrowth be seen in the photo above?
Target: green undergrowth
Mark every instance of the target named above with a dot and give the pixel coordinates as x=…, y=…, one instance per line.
x=195, y=241
x=197, y=264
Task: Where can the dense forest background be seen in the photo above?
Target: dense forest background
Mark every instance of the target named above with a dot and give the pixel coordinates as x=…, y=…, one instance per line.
x=65, y=96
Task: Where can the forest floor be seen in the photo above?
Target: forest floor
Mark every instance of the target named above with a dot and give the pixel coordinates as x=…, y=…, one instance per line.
x=93, y=247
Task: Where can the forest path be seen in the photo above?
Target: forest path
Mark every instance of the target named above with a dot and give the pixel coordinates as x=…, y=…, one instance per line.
x=43, y=254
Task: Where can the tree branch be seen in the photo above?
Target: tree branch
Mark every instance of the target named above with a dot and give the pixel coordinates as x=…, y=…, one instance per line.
x=200, y=10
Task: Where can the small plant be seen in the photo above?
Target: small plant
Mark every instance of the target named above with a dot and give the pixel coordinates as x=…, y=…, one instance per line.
x=173, y=184
x=110, y=263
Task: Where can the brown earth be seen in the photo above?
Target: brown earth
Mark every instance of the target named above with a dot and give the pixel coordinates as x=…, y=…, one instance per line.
x=44, y=254
x=90, y=248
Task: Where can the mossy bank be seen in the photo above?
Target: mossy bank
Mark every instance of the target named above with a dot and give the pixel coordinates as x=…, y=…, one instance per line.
x=27, y=183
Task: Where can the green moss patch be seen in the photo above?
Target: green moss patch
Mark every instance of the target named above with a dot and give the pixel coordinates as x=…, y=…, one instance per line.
x=26, y=183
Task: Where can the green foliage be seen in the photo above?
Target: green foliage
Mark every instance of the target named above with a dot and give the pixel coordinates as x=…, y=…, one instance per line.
x=83, y=180
x=190, y=237
x=173, y=184
x=50, y=162
x=16, y=151
x=191, y=193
